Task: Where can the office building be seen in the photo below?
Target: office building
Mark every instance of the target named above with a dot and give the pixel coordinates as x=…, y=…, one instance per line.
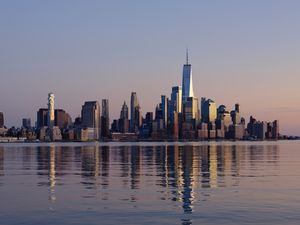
x=62, y=119
x=235, y=114
x=123, y=123
x=176, y=99
x=124, y=111
x=191, y=110
x=164, y=110
x=1, y=119
x=105, y=119
x=90, y=118
x=262, y=130
x=208, y=111
x=133, y=105
x=187, y=81
x=26, y=123
x=42, y=118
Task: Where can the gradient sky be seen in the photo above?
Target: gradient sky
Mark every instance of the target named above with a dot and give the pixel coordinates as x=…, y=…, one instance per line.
x=240, y=51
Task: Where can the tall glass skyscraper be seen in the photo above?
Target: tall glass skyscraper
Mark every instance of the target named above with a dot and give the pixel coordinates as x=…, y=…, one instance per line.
x=187, y=81
x=176, y=99
x=105, y=118
x=133, y=105
x=90, y=116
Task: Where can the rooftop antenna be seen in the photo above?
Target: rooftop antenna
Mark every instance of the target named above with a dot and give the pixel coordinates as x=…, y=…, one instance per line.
x=187, y=56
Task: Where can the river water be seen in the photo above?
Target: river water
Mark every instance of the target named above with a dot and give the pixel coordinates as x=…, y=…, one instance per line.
x=150, y=183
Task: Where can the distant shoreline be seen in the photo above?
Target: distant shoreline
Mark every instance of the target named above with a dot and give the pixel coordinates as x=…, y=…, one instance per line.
x=16, y=141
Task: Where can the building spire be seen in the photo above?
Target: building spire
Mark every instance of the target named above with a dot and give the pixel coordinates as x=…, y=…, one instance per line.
x=187, y=56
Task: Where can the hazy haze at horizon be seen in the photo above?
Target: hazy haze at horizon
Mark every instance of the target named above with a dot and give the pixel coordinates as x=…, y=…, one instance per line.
x=245, y=52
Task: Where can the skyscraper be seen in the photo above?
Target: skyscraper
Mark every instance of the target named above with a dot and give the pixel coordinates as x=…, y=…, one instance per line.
x=123, y=121
x=191, y=110
x=164, y=109
x=51, y=116
x=105, y=118
x=133, y=105
x=1, y=119
x=124, y=111
x=176, y=99
x=208, y=111
x=42, y=118
x=90, y=115
x=187, y=80
x=62, y=119
x=26, y=123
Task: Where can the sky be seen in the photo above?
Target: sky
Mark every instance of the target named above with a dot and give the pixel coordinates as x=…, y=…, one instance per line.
x=241, y=51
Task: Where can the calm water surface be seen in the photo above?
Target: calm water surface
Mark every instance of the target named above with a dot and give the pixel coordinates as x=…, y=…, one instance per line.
x=150, y=183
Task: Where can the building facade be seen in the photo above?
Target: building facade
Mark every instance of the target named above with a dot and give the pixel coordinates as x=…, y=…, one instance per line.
x=90, y=118
x=1, y=119
x=105, y=119
x=187, y=81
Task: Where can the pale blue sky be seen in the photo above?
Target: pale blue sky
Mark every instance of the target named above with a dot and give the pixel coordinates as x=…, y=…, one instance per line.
x=241, y=51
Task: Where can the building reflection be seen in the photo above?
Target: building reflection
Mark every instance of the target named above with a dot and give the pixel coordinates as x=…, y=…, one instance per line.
x=1, y=162
x=181, y=174
x=105, y=152
x=124, y=164
x=52, y=174
x=183, y=170
x=135, y=167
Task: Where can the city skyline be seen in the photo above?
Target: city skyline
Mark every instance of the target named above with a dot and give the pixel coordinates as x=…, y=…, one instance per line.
x=136, y=120
x=178, y=116
x=113, y=55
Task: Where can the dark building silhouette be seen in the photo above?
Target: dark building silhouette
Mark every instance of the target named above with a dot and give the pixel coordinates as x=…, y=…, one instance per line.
x=123, y=122
x=105, y=119
x=42, y=118
x=263, y=130
x=62, y=119
x=90, y=118
x=26, y=123
x=1, y=119
x=133, y=104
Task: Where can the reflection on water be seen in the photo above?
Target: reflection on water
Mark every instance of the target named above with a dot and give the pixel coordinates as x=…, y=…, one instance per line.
x=178, y=179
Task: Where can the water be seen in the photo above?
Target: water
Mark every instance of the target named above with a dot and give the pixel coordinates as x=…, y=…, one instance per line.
x=150, y=183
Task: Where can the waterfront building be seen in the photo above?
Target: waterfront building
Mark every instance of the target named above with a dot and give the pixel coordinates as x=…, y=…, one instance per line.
x=147, y=125
x=187, y=81
x=1, y=119
x=191, y=111
x=62, y=119
x=51, y=115
x=236, y=131
x=235, y=114
x=138, y=118
x=123, y=124
x=164, y=110
x=105, y=119
x=90, y=118
x=223, y=122
x=275, y=129
x=175, y=126
x=208, y=111
x=124, y=111
x=262, y=130
x=42, y=118
x=202, y=132
x=176, y=99
x=26, y=123
x=133, y=105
